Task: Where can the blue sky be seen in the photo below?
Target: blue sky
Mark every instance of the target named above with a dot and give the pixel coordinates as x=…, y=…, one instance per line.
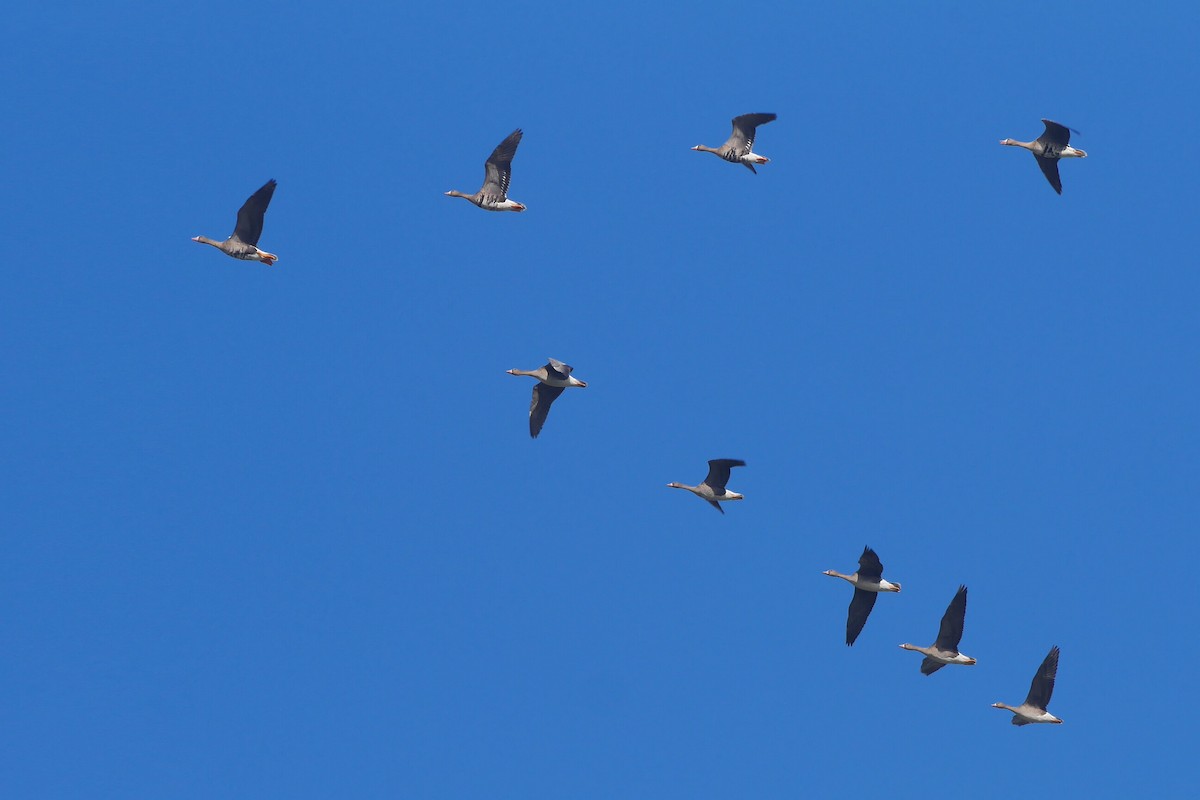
x=281, y=532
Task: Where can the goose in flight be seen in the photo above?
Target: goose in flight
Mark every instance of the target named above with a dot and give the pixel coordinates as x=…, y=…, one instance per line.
x=867, y=582
x=552, y=379
x=738, y=147
x=1034, y=707
x=1048, y=148
x=712, y=489
x=243, y=242
x=945, y=650
x=497, y=171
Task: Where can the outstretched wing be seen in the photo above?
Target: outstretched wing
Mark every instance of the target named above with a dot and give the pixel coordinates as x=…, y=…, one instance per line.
x=250, y=216
x=1056, y=133
x=860, y=608
x=498, y=169
x=869, y=565
x=718, y=473
x=1050, y=170
x=951, y=631
x=744, y=126
x=539, y=407
x=1043, y=682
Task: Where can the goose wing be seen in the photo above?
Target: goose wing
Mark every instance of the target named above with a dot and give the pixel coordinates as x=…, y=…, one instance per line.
x=1043, y=681
x=951, y=631
x=869, y=565
x=930, y=666
x=742, y=139
x=497, y=170
x=860, y=608
x=1056, y=133
x=250, y=216
x=539, y=407
x=557, y=369
x=718, y=473
x=1050, y=170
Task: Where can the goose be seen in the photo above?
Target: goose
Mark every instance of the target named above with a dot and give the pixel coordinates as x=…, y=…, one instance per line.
x=868, y=582
x=712, y=489
x=945, y=650
x=1048, y=148
x=243, y=242
x=497, y=171
x=740, y=144
x=1034, y=707
x=552, y=379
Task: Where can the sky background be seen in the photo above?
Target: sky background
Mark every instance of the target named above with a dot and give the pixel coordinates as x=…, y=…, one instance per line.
x=282, y=532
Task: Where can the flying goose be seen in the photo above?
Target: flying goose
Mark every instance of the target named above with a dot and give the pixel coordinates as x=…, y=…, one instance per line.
x=740, y=144
x=243, y=242
x=497, y=171
x=1034, y=707
x=1048, y=148
x=868, y=582
x=552, y=379
x=945, y=650
x=713, y=487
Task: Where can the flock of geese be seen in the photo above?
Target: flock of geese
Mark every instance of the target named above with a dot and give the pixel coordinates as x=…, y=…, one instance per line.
x=555, y=376
x=868, y=582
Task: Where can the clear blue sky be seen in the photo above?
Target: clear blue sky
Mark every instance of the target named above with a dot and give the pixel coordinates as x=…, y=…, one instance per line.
x=281, y=532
